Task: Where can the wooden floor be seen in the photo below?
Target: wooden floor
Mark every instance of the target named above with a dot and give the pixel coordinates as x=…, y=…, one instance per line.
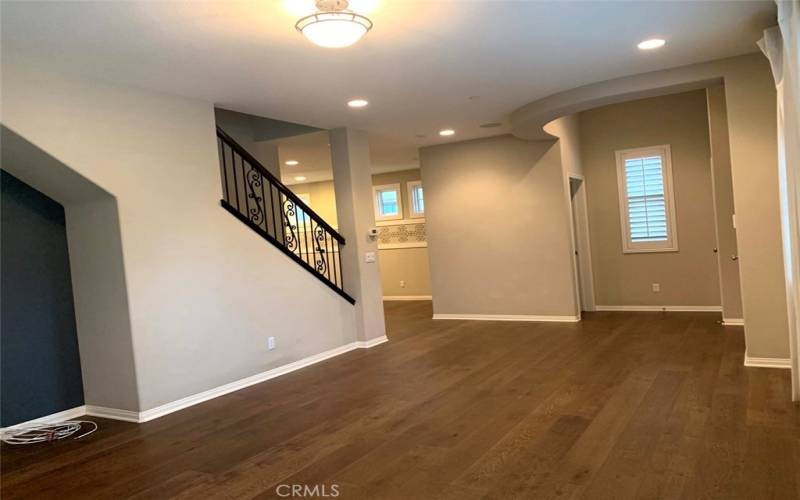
x=621, y=405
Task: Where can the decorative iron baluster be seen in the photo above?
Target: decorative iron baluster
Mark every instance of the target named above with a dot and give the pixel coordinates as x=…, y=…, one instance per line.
x=319, y=239
x=281, y=221
x=288, y=211
x=255, y=181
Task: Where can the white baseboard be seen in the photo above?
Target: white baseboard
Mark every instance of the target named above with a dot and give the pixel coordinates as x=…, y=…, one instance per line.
x=767, y=362
x=733, y=321
x=216, y=392
x=165, y=409
x=160, y=411
x=366, y=344
x=407, y=297
x=112, y=413
x=508, y=317
x=661, y=308
x=53, y=418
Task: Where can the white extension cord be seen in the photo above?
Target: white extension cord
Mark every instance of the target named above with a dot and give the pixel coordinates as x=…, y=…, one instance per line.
x=40, y=433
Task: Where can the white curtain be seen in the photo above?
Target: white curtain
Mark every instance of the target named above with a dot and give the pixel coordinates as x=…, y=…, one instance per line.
x=781, y=45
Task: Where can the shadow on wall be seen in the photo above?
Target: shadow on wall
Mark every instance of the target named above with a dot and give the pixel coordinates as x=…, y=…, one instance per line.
x=97, y=271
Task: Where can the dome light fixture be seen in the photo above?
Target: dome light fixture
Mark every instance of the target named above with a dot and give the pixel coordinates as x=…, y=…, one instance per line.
x=334, y=26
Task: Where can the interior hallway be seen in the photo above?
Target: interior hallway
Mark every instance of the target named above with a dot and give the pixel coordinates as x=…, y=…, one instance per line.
x=621, y=405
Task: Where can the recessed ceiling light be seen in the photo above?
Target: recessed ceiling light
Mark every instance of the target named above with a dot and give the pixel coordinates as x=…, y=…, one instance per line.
x=446, y=132
x=300, y=178
x=333, y=26
x=653, y=43
x=292, y=163
x=357, y=103
x=490, y=125
x=420, y=136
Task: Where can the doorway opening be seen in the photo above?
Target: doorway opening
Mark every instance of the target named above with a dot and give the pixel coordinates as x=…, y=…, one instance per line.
x=580, y=237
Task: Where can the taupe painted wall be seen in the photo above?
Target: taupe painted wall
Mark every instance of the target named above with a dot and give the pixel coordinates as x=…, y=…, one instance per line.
x=722, y=182
x=750, y=99
x=567, y=129
x=204, y=291
x=498, y=228
x=409, y=265
x=688, y=277
x=350, y=163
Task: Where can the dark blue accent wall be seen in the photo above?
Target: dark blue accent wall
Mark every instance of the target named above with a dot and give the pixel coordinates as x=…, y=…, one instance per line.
x=40, y=369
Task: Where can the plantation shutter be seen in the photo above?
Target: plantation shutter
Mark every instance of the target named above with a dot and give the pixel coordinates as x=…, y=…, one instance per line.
x=647, y=210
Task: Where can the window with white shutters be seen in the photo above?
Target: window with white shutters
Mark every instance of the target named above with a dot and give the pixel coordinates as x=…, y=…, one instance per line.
x=647, y=208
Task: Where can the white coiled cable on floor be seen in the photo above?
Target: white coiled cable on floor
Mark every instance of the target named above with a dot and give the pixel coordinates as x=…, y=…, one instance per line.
x=41, y=433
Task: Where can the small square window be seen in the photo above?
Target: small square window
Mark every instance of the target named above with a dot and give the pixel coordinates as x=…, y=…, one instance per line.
x=388, y=205
x=417, y=203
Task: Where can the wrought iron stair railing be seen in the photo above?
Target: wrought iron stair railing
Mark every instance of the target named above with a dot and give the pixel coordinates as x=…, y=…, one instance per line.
x=262, y=202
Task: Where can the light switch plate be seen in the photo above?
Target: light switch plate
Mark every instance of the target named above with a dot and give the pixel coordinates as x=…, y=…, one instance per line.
x=369, y=257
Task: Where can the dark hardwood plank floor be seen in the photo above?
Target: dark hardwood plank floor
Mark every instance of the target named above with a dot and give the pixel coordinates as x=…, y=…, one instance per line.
x=621, y=405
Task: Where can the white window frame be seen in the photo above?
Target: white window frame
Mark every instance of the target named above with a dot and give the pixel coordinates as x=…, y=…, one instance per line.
x=412, y=209
x=376, y=190
x=671, y=244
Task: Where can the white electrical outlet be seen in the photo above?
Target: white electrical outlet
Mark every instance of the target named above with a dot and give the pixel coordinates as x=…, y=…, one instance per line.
x=656, y=287
x=271, y=343
x=402, y=284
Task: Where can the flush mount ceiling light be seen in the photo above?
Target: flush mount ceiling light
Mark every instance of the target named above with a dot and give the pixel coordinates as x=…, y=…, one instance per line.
x=357, y=103
x=446, y=132
x=299, y=178
x=292, y=163
x=333, y=26
x=653, y=43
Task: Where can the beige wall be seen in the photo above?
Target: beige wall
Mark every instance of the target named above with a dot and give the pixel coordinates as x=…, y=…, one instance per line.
x=750, y=99
x=409, y=265
x=730, y=286
x=350, y=163
x=567, y=129
x=322, y=199
x=688, y=277
x=204, y=291
x=498, y=228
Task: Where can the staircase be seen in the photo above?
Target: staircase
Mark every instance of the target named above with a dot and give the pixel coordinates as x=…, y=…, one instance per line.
x=264, y=204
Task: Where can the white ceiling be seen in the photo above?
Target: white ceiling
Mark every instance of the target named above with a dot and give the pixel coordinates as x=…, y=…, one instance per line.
x=418, y=67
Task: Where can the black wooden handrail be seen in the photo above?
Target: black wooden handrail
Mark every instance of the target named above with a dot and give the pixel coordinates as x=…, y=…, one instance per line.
x=261, y=201
x=230, y=141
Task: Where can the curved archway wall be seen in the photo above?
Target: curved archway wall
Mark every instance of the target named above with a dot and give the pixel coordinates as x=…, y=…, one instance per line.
x=750, y=102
